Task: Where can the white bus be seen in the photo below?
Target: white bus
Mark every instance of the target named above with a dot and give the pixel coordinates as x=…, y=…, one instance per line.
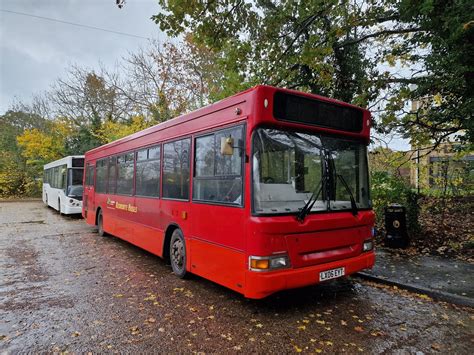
x=62, y=184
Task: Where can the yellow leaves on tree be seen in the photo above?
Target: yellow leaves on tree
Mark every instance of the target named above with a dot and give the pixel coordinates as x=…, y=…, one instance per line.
x=39, y=147
x=111, y=131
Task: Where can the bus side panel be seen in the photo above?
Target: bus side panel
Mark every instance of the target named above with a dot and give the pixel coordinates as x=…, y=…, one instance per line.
x=217, y=263
x=134, y=220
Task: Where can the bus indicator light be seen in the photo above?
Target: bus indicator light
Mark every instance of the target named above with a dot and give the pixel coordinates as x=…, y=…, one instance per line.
x=184, y=215
x=260, y=263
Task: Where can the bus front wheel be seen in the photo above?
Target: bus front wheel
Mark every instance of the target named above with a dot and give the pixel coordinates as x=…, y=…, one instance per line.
x=178, y=253
x=100, y=225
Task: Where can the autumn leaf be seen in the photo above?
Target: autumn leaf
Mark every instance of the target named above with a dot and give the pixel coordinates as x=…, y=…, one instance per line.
x=377, y=333
x=343, y=322
x=320, y=321
x=359, y=329
x=297, y=349
x=302, y=327
x=134, y=330
x=259, y=325
x=75, y=334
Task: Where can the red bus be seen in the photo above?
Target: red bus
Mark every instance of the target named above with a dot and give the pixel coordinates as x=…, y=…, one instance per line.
x=263, y=191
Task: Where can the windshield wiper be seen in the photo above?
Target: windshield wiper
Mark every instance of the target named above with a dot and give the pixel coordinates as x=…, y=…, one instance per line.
x=348, y=189
x=310, y=203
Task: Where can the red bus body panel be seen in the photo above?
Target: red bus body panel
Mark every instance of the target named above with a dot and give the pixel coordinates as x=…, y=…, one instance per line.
x=220, y=239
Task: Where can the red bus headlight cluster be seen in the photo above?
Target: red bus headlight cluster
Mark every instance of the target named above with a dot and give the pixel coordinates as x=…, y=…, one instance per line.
x=267, y=263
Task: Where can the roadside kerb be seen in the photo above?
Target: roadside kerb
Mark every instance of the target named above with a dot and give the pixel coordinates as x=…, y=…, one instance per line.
x=434, y=294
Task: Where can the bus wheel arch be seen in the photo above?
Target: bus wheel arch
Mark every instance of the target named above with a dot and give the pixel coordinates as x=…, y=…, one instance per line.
x=167, y=240
x=99, y=210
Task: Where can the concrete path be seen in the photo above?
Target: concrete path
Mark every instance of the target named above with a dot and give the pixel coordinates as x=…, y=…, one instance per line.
x=440, y=278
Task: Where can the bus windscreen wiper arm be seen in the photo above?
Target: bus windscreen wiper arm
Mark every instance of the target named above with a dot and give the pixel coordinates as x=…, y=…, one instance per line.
x=310, y=203
x=348, y=189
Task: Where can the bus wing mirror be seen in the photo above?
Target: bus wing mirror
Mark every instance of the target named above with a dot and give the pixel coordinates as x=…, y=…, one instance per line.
x=227, y=146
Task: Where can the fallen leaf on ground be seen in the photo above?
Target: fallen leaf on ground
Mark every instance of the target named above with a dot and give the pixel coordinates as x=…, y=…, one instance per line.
x=134, y=330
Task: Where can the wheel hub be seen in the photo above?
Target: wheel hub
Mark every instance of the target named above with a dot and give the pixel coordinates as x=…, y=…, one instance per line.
x=177, y=253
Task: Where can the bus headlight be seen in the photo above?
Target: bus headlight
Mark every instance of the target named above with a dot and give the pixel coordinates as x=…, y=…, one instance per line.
x=263, y=263
x=368, y=245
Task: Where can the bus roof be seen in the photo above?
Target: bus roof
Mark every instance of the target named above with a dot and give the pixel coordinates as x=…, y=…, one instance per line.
x=214, y=107
x=62, y=161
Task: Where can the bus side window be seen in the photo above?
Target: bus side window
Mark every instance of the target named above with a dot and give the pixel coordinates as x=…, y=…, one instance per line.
x=218, y=176
x=176, y=169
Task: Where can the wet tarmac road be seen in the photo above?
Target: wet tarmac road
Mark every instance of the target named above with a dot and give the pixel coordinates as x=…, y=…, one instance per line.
x=63, y=288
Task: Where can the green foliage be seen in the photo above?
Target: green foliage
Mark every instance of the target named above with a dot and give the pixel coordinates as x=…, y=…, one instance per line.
x=351, y=51
x=81, y=140
x=387, y=189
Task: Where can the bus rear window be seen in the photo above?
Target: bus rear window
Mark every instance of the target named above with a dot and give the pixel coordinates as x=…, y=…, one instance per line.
x=299, y=109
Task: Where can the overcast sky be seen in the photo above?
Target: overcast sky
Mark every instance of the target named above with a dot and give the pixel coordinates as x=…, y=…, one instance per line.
x=34, y=52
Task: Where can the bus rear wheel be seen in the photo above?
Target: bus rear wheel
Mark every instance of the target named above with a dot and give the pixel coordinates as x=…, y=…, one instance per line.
x=100, y=225
x=178, y=254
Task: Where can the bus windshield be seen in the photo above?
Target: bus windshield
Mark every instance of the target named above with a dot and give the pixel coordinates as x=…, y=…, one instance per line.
x=289, y=167
x=74, y=183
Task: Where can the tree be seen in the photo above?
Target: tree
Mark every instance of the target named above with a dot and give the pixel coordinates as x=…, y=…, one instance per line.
x=41, y=147
x=166, y=80
x=364, y=52
x=112, y=131
x=16, y=177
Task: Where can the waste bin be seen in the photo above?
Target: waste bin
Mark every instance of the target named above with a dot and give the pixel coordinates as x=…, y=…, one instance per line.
x=396, y=227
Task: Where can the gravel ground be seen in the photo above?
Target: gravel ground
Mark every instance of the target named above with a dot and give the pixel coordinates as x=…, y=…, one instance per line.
x=63, y=288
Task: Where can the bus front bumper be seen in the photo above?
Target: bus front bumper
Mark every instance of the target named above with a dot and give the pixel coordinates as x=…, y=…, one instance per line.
x=261, y=284
x=72, y=209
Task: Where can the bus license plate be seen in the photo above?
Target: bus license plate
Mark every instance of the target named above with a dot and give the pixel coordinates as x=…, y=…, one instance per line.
x=331, y=274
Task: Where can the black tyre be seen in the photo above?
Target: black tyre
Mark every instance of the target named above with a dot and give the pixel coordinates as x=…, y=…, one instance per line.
x=100, y=225
x=178, y=254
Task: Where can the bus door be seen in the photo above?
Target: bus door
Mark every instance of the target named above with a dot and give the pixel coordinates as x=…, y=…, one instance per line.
x=89, y=193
